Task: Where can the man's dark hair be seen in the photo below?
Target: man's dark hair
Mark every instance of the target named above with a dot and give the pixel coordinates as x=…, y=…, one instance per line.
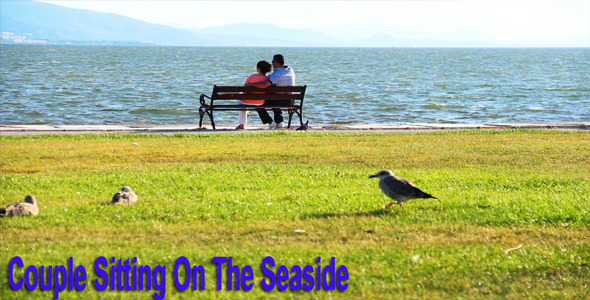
x=264, y=66
x=279, y=59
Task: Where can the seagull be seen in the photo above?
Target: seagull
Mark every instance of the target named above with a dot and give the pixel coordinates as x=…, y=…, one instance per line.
x=125, y=197
x=29, y=207
x=304, y=126
x=398, y=188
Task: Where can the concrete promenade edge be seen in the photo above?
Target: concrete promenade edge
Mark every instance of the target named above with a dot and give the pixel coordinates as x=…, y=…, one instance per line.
x=8, y=129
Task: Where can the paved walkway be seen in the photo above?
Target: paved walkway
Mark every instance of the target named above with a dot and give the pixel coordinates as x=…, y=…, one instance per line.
x=43, y=129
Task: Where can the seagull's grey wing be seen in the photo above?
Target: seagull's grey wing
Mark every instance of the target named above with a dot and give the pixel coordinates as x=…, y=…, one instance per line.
x=413, y=191
x=393, y=188
x=398, y=188
x=11, y=206
x=23, y=208
x=12, y=209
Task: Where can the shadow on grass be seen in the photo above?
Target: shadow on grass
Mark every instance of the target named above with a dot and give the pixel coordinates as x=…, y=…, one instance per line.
x=374, y=213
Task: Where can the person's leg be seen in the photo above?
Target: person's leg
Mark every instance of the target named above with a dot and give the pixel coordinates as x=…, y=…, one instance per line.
x=278, y=115
x=264, y=116
x=242, y=119
x=242, y=116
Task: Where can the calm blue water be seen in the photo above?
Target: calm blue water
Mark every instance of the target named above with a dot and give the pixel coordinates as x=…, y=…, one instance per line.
x=48, y=84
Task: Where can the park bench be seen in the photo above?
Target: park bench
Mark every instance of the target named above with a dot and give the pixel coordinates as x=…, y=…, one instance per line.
x=224, y=98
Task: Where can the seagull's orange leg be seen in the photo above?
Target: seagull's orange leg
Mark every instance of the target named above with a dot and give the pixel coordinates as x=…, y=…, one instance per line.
x=389, y=205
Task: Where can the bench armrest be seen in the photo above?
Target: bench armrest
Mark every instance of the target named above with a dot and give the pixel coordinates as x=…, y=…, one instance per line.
x=202, y=99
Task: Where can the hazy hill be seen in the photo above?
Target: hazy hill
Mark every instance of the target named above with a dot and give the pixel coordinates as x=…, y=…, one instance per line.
x=56, y=23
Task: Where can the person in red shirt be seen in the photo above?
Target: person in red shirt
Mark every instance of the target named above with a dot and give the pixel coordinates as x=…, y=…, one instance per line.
x=262, y=68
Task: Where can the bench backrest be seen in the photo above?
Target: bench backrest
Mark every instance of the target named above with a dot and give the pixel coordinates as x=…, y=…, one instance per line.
x=253, y=93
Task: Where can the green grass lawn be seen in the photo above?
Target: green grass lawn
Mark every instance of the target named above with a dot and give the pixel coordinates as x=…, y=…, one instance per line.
x=299, y=196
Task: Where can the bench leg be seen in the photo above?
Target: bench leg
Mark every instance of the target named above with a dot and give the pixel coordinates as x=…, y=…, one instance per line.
x=201, y=115
x=290, y=117
x=210, y=113
x=300, y=115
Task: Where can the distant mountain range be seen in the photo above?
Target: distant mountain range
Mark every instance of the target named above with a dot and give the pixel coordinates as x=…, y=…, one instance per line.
x=61, y=24
x=57, y=24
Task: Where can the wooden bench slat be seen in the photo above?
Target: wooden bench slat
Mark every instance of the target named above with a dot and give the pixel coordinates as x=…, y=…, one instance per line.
x=240, y=107
x=257, y=97
x=268, y=90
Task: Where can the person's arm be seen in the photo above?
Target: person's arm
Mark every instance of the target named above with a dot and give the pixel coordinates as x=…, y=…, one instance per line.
x=260, y=85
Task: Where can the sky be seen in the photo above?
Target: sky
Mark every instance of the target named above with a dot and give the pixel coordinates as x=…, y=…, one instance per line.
x=502, y=19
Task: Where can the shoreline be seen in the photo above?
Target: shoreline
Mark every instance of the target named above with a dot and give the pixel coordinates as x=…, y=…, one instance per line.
x=8, y=129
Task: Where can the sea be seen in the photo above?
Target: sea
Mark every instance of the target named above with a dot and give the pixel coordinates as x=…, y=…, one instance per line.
x=75, y=84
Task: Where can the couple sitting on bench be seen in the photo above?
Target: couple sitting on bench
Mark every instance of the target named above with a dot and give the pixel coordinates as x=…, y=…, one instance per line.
x=281, y=76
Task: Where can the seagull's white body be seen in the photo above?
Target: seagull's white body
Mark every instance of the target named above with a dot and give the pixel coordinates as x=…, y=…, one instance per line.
x=29, y=207
x=125, y=197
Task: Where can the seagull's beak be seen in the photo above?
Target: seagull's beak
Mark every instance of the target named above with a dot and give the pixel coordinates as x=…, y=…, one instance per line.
x=373, y=176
